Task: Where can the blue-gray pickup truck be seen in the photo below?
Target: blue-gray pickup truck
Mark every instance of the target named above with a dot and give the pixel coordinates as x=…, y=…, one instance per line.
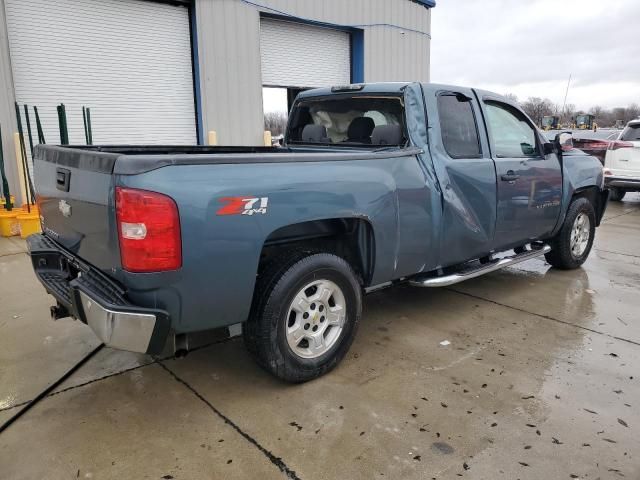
x=374, y=185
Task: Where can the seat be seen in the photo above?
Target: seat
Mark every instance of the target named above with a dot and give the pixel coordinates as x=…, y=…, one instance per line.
x=360, y=130
x=387, y=135
x=314, y=134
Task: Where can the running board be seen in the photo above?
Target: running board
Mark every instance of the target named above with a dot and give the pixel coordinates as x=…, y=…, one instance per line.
x=497, y=264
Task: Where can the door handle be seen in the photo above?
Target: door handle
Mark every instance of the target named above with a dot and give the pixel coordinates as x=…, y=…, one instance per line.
x=510, y=176
x=62, y=179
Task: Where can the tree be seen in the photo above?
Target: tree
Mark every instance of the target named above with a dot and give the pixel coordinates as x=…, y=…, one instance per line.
x=275, y=122
x=511, y=97
x=569, y=114
x=632, y=112
x=600, y=115
x=537, y=108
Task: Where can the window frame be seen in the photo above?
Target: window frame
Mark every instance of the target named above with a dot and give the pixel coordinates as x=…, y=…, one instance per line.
x=452, y=93
x=489, y=101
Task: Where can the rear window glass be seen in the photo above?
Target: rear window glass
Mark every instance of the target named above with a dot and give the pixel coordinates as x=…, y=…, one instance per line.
x=340, y=120
x=458, y=126
x=631, y=133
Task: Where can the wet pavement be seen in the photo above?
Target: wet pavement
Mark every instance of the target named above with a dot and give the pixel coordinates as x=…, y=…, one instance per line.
x=540, y=379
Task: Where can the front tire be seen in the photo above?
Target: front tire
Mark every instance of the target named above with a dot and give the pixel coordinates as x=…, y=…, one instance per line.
x=571, y=246
x=304, y=316
x=616, y=194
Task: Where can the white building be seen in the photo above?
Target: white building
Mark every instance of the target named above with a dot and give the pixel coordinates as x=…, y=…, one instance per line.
x=168, y=72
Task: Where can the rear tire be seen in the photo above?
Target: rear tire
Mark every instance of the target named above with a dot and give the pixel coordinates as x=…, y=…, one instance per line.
x=616, y=194
x=571, y=246
x=304, y=316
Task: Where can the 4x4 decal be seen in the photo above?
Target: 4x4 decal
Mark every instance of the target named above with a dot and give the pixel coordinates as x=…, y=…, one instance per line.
x=243, y=205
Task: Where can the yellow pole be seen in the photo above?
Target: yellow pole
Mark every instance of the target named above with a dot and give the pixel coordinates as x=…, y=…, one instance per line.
x=267, y=138
x=18, y=148
x=212, y=137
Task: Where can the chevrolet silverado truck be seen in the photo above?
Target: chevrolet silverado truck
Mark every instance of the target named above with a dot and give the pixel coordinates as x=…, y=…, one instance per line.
x=374, y=185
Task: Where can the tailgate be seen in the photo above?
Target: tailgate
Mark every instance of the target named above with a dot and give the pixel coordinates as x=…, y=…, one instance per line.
x=75, y=194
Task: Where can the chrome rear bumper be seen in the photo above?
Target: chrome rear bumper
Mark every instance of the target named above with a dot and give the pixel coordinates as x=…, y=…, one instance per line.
x=85, y=293
x=122, y=330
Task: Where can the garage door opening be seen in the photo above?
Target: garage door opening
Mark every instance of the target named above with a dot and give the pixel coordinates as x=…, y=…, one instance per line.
x=294, y=58
x=276, y=110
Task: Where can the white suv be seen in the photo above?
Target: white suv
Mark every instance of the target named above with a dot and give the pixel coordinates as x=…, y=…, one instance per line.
x=622, y=162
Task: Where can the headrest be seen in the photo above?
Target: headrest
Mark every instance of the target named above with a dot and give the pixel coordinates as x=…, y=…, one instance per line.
x=314, y=133
x=387, y=135
x=360, y=128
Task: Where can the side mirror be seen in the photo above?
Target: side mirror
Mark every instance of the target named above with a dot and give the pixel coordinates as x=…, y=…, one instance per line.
x=564, y=141
x=548, y=148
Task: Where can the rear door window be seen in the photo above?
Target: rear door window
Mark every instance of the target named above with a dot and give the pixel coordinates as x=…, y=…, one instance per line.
x=458, y=126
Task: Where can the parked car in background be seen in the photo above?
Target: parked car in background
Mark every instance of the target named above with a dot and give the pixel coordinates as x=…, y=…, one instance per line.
x=588, y=142
x=593, y=146
x=622, y=162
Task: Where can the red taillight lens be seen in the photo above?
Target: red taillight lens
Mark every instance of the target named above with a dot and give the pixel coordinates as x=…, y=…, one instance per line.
x=148, y=230
x=616, y=144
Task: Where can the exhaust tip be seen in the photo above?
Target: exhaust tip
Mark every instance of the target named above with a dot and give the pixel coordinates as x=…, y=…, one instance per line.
x=181, y=353
x=181, y=345
x=58, y=311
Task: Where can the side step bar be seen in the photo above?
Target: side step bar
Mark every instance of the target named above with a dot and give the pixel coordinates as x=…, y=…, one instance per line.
x=497, y=264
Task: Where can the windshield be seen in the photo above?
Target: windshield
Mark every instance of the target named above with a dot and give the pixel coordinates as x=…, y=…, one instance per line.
x=582, y=119
x=547, y=121
x=631, y=133
x=342, y=120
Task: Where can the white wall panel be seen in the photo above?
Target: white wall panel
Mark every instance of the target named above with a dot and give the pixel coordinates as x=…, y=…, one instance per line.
x=298, y=55
x=129, y=60
x=231, y=58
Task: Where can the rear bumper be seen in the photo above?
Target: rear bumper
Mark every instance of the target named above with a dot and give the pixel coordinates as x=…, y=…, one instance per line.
x=90, y=296
x=631, y=183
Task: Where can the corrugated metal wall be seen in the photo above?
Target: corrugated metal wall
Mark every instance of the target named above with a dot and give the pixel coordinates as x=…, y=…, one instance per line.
x=229, y=51
x=7, y=112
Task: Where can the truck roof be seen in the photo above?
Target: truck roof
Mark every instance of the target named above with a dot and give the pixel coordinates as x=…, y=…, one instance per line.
x=388, y=87
x=381, y=87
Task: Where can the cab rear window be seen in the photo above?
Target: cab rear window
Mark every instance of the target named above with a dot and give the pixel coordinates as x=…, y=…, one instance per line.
x=359, y=120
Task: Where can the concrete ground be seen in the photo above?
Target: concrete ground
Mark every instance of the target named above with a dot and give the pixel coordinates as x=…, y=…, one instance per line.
x=540, y=379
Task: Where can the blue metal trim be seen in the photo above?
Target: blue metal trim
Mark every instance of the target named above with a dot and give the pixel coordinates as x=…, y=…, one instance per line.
x=274, y=12
x=357, y=56
x=195, y=65
x=426, y=3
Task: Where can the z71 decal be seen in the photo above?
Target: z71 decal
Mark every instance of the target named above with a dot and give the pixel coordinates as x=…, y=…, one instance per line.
x=243, y=206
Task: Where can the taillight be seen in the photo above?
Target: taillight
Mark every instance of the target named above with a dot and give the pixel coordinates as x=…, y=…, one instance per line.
x=148, y=230
x=616, y=144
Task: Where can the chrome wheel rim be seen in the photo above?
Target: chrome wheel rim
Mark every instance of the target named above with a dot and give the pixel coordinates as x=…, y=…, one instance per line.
x=315, y=318
x=580, y=235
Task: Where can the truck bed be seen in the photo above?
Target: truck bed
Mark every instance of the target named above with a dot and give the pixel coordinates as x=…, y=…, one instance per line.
x=133, y=160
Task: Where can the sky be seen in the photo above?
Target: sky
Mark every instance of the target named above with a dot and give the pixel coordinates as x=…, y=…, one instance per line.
x=530, y=47
x=274, y=100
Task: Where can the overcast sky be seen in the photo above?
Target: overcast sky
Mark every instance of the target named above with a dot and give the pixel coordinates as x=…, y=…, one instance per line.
x=529, y=48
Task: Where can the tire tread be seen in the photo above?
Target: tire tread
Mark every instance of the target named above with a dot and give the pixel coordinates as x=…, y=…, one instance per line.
x=560, y=255
x=259, y=330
